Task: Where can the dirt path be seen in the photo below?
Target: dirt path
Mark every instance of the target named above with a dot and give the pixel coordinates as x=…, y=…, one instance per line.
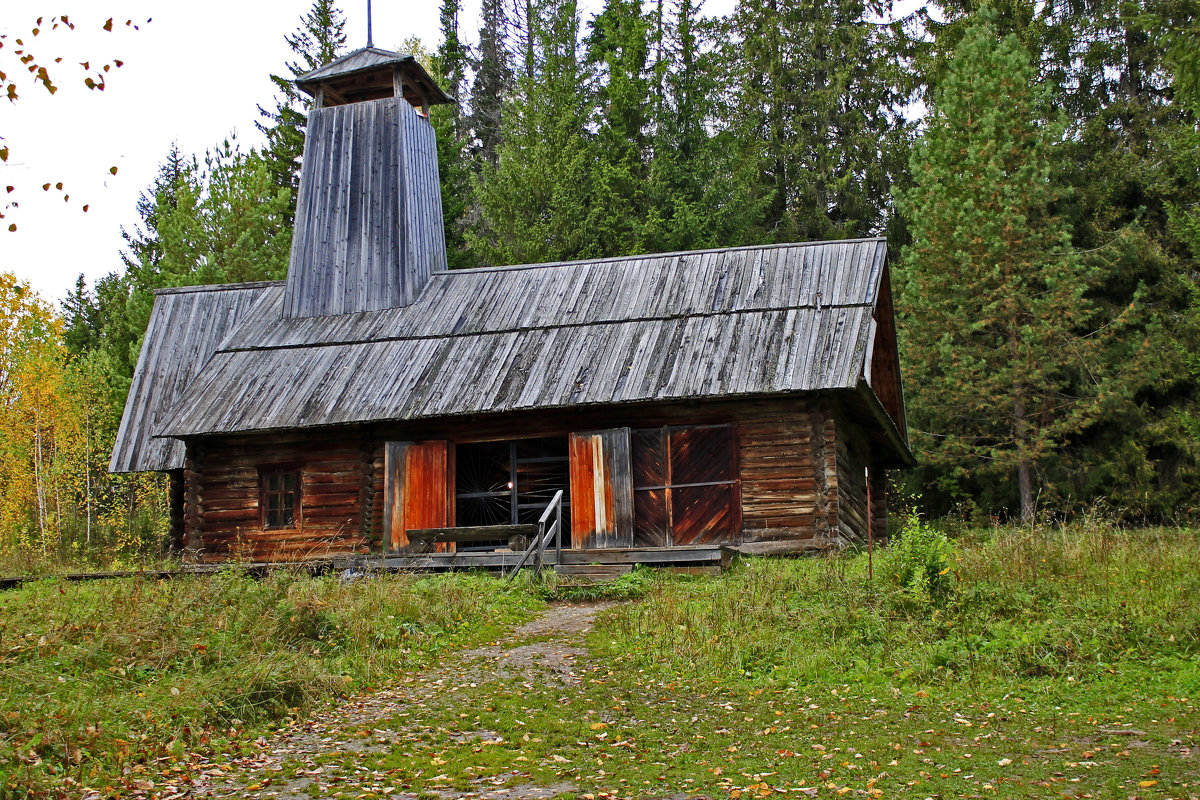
x=296, y=762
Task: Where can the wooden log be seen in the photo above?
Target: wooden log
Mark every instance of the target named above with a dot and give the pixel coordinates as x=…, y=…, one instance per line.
x=235, y=515
x=340, y=500
x=790, y=533
x=783, y=547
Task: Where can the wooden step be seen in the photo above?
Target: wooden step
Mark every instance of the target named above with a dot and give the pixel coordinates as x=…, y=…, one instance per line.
x=594, y=572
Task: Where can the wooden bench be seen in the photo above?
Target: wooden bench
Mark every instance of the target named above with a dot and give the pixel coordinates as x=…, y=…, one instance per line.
x=518, y=536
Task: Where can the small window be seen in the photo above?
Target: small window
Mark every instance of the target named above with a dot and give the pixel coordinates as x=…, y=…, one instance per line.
x=280, y=498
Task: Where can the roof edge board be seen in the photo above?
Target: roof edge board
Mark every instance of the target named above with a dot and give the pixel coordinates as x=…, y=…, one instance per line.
x=477, y=414
x=886, y=423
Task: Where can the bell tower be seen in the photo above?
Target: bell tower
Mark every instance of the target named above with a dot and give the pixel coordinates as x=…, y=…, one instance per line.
x=368, y=231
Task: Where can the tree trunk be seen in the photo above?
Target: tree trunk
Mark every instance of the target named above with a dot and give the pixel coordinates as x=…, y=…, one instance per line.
x=1025, y=484
x=1021, y=426
x=1024, y=466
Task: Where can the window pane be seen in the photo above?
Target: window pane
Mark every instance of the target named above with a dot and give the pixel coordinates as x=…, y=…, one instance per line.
x=280, y=499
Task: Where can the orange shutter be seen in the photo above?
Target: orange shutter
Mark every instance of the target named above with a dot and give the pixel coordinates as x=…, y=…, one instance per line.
x=416, y=494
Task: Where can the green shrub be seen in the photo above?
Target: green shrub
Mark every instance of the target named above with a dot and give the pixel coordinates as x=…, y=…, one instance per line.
x=921, y=564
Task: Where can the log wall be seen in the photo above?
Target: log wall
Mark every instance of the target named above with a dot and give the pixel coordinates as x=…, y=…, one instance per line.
x=879, y=508
x=796, y=479
x=789, y=477
x=852, y=493
x=226, y=507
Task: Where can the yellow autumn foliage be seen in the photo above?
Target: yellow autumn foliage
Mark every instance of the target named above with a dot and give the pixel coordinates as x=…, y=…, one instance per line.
x=58, y=418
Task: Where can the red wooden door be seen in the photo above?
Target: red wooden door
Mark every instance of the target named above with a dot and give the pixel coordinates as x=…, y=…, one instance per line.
x=685, y=486
x=416, y=491
x=601, y=489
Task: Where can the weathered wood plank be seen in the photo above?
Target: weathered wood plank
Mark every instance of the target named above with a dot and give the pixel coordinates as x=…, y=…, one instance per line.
x=601, y=480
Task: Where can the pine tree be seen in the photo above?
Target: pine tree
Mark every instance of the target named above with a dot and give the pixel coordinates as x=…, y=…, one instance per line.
x=992, y=295
x=319, y=40
x=1124, y=160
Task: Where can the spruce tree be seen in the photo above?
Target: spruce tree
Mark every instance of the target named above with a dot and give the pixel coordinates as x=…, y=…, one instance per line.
x=221, y=222
x=450, y=64
x=141, y=243
x=318, y=40
x=533, y=201
x=819, y=104
x=618, y=50
x=492, y=84
x=992, y=295
x=82, y=329
x=702, y=183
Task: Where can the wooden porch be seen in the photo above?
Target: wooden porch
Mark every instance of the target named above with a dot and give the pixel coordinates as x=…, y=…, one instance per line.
x=699, y=559
x=693, y=558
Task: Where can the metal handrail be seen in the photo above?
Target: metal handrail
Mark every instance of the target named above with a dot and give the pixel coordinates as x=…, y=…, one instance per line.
x=538, y=545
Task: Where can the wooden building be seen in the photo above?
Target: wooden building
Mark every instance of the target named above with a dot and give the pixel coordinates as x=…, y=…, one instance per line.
x=741, y=397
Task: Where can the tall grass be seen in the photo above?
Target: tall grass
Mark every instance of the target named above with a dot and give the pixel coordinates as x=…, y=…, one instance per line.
x=128, y=538
x=1079, y=602
x=99, y=677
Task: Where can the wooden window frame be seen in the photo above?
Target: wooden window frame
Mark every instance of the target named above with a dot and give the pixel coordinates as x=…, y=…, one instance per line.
x=265, y=473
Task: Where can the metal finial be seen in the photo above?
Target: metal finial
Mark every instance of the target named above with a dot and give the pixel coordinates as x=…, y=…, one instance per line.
x=370, y=37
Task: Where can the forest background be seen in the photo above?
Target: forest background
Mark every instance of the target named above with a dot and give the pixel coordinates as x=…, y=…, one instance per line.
x=1035, y=168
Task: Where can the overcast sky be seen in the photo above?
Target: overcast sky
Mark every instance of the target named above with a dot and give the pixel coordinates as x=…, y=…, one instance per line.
x=193, y=74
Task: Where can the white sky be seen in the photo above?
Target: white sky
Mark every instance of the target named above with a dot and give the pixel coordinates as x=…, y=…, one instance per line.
x=194, y=74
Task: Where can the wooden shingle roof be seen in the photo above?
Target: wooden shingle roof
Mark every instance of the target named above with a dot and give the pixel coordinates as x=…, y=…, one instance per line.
x=719, y=323
x=186, y=326
x=368, y=59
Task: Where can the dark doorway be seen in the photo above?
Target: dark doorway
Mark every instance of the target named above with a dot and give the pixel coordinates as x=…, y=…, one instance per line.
x=507, y=483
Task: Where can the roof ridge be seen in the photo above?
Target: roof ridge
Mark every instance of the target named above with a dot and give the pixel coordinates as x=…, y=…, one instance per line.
x=342, y=59
x=668, y=254
x=217, y=287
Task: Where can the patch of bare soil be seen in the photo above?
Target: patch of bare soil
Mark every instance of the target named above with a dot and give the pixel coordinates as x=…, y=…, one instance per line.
x=546, y=648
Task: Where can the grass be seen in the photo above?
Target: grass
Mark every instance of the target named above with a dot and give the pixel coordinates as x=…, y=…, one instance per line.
x=556, y=588
x=1043, y=663
x=1019, y=605
x=1051, y=664
x=106, y=682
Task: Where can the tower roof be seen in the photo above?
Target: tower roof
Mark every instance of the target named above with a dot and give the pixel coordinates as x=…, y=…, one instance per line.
x=363, y=73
